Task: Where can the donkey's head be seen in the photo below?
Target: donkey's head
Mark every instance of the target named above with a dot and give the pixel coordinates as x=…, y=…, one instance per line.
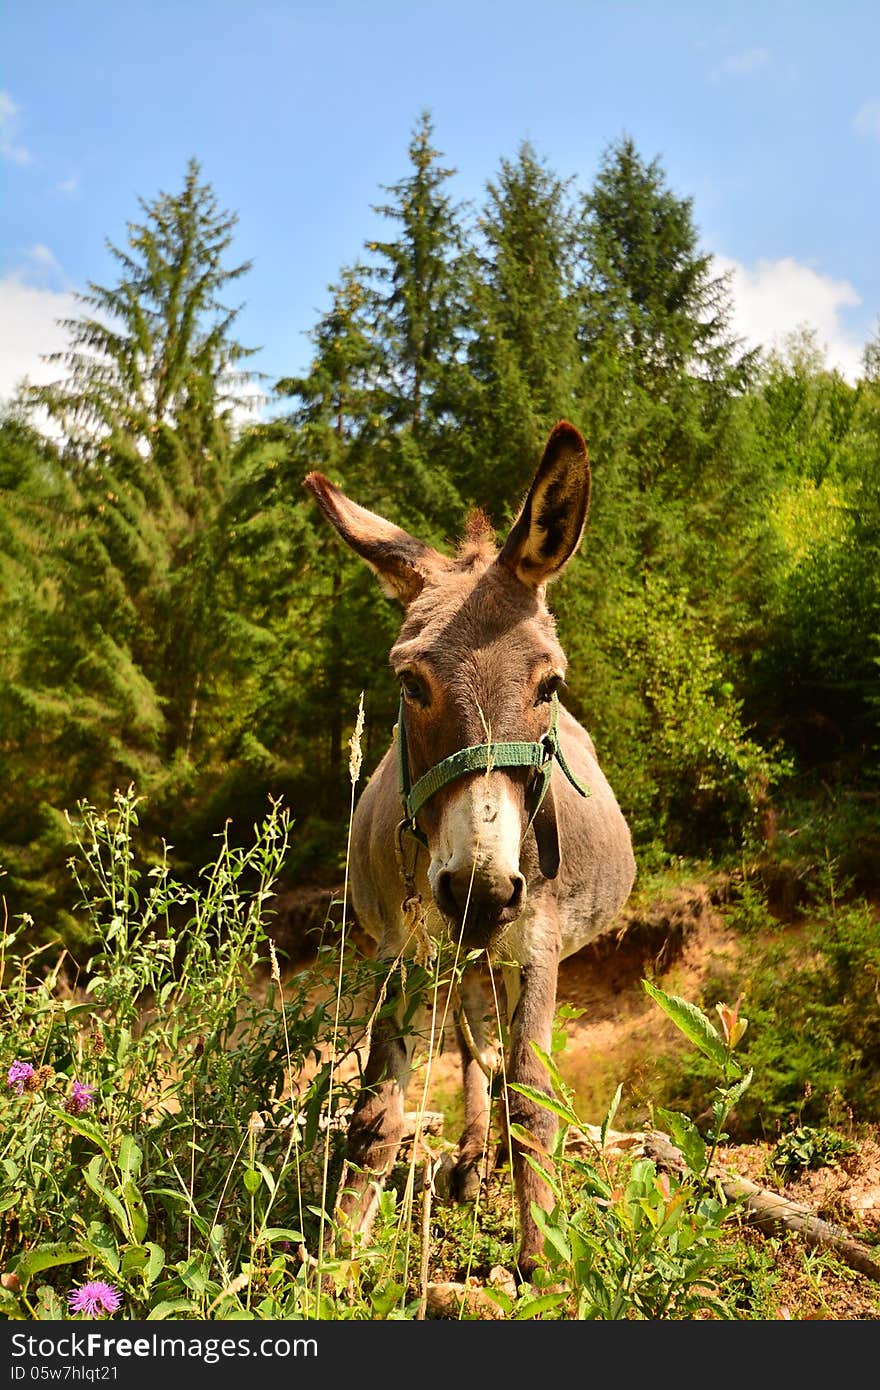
x=478, y=663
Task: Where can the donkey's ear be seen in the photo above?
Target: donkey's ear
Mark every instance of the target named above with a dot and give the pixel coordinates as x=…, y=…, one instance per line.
x=401, y=562
x=548, y=529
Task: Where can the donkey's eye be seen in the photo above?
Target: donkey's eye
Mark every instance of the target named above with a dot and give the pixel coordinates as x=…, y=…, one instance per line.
x=547, y=689
x=413, y=688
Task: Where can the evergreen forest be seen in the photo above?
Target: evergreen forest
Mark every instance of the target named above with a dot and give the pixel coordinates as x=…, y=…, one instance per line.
x=183, y=638
x=178, y=619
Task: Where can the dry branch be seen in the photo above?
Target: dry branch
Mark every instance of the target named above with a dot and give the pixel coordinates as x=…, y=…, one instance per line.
x=770, y=1211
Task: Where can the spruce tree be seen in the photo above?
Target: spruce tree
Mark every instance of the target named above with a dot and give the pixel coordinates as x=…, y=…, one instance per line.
x=373, y=411
x=135, y=657
x=676, y=552
x=418, y=315
x=523, y=355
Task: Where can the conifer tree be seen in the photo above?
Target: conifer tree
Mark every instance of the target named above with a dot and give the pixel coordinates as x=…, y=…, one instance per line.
x=418, y=315
x=417, y=298
x=679, y=518
x=664, y=378
x=523, y=355
x=373, y=411
x=135, y=653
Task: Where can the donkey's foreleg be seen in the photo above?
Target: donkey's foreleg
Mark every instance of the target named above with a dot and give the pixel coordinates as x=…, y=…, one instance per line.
x=532, y=1021
x=478, y=1061
x=376, y=1125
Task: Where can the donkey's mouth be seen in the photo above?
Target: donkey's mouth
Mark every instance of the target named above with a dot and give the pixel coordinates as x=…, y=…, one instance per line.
x=478, y=908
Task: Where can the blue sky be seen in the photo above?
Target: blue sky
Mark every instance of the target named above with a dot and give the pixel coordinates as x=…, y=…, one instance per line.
x=766, y=115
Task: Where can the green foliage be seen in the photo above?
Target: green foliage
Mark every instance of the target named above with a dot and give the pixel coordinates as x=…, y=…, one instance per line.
x=522, y=355
x=199, y=1167
x=128, y=654
x=808, y=1147
x=811, y=996
x=638, y=1243
x=193, y=1174
x=670, y=727
x=174, y=613
x=815, y=675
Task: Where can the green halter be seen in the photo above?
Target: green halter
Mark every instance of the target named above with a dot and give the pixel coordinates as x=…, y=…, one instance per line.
x=482, y=757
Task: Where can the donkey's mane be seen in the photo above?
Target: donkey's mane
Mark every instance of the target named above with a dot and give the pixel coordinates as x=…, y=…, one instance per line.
x=478, y=543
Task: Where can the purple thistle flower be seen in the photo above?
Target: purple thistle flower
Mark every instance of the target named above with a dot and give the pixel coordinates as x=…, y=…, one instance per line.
x=18, y=1074
x=94, y=1299
x=80, y=1098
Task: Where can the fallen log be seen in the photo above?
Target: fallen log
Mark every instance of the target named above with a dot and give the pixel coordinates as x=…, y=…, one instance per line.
x=770, y=1211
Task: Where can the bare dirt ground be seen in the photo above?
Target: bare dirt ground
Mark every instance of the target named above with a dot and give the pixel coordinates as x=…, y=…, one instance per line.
x=619, y=1036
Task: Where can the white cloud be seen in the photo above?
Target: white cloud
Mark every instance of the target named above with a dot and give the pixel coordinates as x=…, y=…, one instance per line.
x=43, y=258
x=777, y=298
x=867, y=119
x=28, y=329
x=68, y=186
x=9, y=149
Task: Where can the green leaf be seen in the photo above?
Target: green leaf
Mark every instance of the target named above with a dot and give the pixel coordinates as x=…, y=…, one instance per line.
x=169, y=1306
x=130, y=1158
x=101, y=1241
x=695, y=1026
x=110, y=1200
x=544, y=1175
x=273, y=1233
x=556, y=1107
x=73, y=1010
x=155, y=1262
x=252, y=1180
x=48, y=1256
x=686, y=1137
x=385, y=1297
x=552, y=1234
x=123, y=1045
x=193, y=1275
x=134, y=1259
x=137, y=1210
x=530, y=1308
x=552, y=1069
x=268, y=1177
x=87, y=1128
x=49, y=1306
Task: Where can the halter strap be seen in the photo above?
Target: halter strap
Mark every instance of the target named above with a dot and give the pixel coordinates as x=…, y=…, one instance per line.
x=482, y=757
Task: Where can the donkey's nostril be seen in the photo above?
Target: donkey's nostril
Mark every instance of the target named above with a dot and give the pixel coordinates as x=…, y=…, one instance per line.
x=444, y=895
x=461, y=894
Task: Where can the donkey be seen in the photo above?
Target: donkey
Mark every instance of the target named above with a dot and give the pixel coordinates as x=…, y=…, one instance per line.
x=490, y=806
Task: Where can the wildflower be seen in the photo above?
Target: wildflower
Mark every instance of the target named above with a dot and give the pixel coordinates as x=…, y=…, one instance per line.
x=94, y=1299
x=732, y=1025
x=40, y=1078
x=18, y=1074
x=80, y=1098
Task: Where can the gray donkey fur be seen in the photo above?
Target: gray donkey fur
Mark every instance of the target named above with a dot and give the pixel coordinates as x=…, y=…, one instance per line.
x=478, y=660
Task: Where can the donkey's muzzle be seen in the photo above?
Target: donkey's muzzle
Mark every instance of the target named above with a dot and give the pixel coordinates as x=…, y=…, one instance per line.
x=479, y=905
